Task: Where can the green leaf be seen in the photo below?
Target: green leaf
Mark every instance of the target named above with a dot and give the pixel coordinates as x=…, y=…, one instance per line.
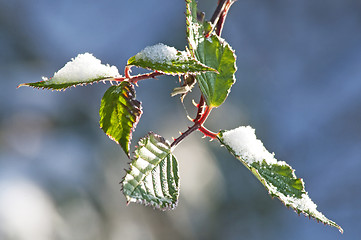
x=153, y=175
x=216, y=53
x=167, y=60
x=55, y=85
x=277, y=176
x=119, y=114
x=82, y=70
x=195, y=29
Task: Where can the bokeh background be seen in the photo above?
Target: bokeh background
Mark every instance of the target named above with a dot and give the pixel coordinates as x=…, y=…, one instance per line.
x=298, y=84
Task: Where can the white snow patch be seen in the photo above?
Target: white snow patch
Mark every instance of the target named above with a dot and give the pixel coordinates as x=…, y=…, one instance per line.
x=161, y=53
x=244, y=143
x=303, y=204
x=84, y=68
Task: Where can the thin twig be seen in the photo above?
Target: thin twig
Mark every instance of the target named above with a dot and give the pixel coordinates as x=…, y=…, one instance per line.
x=217, y=22
x=135, y=79
x=184, y=135
x=222, y=17
x=207, y=132
x=200, y=111
x=221, y=5
x=219, y=16
x=202, y=115
x=127, y=71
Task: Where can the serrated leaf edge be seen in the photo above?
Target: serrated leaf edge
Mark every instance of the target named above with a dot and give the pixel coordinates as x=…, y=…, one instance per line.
x=142, y=201
x=134, y=124
x=224, y=44
x=290, y=201
x=272, y=190
x=177, y=73
x=67, y=86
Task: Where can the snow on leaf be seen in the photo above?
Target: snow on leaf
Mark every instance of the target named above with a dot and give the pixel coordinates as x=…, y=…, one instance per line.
x=277, y=176
x=244, y=143
x=120, y=113
x=84, y=69
x=167, y=60
x=153, y=175
x=161, y=53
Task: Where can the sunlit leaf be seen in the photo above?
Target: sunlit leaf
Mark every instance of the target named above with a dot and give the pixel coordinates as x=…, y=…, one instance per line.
x=277, y=176
x=167, y=60
x=82, y=70
x=195, y=29
x=119, y=114
x=153, y=175
x=214, y=52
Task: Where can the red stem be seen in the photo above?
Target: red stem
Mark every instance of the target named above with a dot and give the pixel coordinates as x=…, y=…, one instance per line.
x=135, y=79
x=223, y=16
x=207, y=110
x=207, y=133
x=202, y=115
x=202, y=120
x=200, y=107
x=184, y=135
x=219, y=16
x=127, y=71
x=204, y=110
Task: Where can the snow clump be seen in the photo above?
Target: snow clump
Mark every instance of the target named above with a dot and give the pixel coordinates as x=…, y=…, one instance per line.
x=244, y=143
x=161, y=53
x=84, y=68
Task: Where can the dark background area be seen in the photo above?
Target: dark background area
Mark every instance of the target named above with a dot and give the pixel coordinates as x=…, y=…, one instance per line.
x=298, y=84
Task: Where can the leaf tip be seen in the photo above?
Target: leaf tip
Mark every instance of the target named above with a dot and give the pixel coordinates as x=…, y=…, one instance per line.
x=22, y=85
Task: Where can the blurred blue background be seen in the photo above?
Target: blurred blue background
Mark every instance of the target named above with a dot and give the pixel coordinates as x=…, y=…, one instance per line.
x=298, y=84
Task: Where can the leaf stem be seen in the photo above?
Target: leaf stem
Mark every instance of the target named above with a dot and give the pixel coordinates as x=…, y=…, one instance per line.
x=202, y=115
x=217, y=12
x=206, y=111
x=200, y=107
x=184, y=135
x=223, y=16
x=135, y=79
x=207, y=132
x=127, y=71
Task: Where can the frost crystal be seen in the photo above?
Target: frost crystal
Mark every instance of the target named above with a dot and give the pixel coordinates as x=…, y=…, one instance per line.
x=84, y=68
x=245, y=144
x=161, y=53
